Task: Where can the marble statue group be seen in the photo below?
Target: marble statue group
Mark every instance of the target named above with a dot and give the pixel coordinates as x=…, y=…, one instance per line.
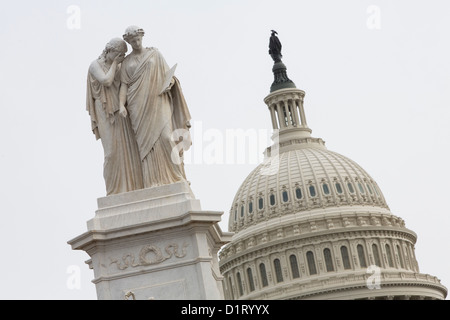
x=135, y=105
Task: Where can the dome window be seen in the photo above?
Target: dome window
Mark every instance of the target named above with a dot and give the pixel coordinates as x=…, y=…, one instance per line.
x=278, y=272
x=361, y=189
x=338, y=188
x=376, y=191
x=376, y=255
x=260, y=203
x=345, y=258
x=250, y=279
x=298, y=193
x=235, y=214
x=250, y=207
x=350, y=187
x=239, y=280
x=242, y=211
x=369, y=188
x=263, y=273
x=285, y=196
x=389, y=256
x=272, y=199
x=400, y=257
x=361, y=256
x=326, y=189
x=230, y=283
x=311, y=263
x=312, y=191
x=294, y=267
x=328, y=260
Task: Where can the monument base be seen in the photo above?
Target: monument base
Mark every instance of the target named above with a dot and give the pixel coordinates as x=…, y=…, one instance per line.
x=154, y=243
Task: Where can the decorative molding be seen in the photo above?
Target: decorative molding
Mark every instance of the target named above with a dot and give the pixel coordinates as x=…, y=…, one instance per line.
x=128, y=259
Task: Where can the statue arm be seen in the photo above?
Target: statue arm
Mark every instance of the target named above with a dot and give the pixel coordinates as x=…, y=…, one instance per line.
x=123, y=98
x=104, y=79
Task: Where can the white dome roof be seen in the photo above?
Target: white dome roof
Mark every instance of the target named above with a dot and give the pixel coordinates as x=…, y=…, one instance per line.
x=309, y=222
x=301, y=179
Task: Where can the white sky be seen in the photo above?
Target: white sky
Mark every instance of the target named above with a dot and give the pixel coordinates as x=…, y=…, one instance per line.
x=378, y=96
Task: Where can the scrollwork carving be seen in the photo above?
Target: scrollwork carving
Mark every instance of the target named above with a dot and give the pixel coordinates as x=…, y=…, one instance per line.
x=128, y=260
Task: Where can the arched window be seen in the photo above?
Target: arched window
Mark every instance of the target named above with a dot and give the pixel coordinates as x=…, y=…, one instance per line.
x=361, y=256
x=328, y=260
x=260, y=203
x=312, y=191
x=272, y=199
x=376, y=190
x=350, y=187
x=338, y=188
x=278, y=272
x=407, y=259
x=311, y=263
x=389, y=256
x=230, y=285
x=263, y=273
x=239, y=280
x=298, y=193
x=285, y=196
x=326, y=189
x=413, y=258
x=361, y=189
x=250, y=207
x=376, y=255
x=345, y=258
x=400, y=257
x=294, y=267
x=242, y=211
x=251, y=283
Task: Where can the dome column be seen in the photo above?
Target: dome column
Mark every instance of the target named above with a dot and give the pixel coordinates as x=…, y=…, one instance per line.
x=295, y=112
x=280, y=115
x=273, y=116
x=302, y=113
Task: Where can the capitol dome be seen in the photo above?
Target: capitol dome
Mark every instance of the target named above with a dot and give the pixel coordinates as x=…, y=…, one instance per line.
x=310, y=223
x=308, y=179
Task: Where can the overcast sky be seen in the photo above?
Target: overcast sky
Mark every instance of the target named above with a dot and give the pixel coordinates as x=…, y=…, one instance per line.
x=376, y=76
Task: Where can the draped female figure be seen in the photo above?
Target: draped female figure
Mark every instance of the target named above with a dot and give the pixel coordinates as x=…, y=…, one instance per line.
x=155, y=112
x=122, y=167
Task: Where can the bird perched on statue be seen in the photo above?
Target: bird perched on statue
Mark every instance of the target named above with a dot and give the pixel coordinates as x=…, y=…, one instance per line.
x=275, y=47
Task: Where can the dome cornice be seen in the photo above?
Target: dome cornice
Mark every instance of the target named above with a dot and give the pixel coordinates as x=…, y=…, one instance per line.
x=284, y=95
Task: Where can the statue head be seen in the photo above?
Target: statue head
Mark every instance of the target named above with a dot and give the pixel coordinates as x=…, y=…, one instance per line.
x=133, y=35
x=113, y=48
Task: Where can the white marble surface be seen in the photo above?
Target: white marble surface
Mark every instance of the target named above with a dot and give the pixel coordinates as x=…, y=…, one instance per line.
x=154, y=243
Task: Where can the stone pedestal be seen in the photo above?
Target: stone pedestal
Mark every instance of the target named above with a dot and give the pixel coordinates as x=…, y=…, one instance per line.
x=154, y=243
